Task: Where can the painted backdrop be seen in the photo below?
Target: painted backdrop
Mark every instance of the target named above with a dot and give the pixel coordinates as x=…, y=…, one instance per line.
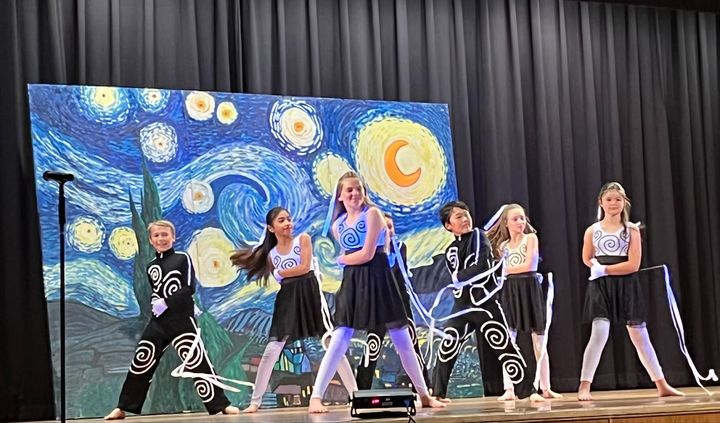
x=214, y=163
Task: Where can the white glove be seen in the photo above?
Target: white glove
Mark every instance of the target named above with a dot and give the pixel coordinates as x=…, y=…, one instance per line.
x=597, y=270
x=158, y=307
x=341, y=262
x=277, y=276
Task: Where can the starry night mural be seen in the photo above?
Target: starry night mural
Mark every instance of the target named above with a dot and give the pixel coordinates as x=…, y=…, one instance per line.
x=214, y=164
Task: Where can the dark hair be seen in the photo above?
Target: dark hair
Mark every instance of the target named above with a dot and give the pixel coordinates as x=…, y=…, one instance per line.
x=255, y=260
x=446, y=210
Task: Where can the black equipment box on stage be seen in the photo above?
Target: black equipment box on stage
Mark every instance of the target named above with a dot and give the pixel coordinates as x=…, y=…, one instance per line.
x=382, y=401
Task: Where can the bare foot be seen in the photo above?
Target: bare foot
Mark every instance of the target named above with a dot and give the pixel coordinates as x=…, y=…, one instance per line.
x=428, y=401
x=665, y=390
x=252, y=408
x=509, y=395
x=231, y=409
x=550, y=394
x=444, y=400
x=116, y=414
x=584, y=391
x=535, y=397
x=316, y=406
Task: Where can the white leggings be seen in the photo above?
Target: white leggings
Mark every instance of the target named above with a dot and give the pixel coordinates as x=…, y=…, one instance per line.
x=537, y=341
x=640, y=339
x=339, y=343
x=267, y=362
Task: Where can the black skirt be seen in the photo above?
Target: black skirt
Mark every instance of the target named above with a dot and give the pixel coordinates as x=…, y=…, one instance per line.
x=618, y=299
x=523, y=302
x=298, y=310
x=369, y=298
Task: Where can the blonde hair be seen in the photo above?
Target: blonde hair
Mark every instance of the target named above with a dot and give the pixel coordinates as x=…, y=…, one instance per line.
x=614, y=186
x=499, y=233
x=339, y=206
x=162, y=223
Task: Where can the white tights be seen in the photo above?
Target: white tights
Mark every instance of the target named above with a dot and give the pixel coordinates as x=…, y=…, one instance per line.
x=339, y=343
x=267, y=362
x=537, y=341
x=640, y=339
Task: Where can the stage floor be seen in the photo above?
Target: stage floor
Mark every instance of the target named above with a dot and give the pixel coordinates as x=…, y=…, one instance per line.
x=631, y=406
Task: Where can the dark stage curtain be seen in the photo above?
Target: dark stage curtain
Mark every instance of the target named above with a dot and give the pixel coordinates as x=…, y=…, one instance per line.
x=548, y=100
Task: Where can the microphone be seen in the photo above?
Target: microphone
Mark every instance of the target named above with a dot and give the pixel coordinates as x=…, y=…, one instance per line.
x=58, y=176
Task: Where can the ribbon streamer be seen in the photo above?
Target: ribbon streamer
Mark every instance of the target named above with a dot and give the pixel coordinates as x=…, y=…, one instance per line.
x=199, y=346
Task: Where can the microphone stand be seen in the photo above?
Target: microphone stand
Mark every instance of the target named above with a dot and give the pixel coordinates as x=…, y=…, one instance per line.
x=61, y=221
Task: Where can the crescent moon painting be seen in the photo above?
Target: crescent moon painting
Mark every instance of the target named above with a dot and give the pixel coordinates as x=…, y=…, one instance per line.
x=214, y=163
x=396, y=175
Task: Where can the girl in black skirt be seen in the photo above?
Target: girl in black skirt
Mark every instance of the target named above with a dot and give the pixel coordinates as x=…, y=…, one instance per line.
x=298, y=306
x=612, y=249
x=522, y=297
x=368, y=298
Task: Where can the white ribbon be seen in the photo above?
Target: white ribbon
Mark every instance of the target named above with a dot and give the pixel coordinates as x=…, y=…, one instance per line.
x=548, y=320
x=677, y=322
x=199, y=346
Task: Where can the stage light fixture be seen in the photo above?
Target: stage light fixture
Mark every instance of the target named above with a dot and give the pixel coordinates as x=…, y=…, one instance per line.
x=382, y=403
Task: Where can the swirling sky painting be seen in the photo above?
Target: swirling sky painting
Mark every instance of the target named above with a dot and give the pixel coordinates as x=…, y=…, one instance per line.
x=218, y=162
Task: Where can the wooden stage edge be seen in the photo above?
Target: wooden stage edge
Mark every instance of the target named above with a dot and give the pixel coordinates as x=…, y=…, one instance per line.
x=630, y=406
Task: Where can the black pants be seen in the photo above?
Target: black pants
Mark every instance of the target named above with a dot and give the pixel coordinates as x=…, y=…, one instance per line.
x=492, y=326
x=159, y=333
x=375, y=343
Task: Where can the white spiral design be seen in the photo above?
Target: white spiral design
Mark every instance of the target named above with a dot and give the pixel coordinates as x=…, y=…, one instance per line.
x=452, y=257
x=496, y=334
x=205, y=390
x=450, y=346
x=374, y=345
x=155, y=273
x=171, y=283
x=184, y=346
x=144, y=358
x=514, y=368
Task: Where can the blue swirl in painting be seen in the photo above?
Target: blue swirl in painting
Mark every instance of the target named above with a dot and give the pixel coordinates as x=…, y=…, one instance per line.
x=94, y=284
x=296, y=126
x=225, y=172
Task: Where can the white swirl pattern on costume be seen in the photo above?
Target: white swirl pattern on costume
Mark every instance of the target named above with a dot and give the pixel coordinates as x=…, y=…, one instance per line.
x=450, y=345
x=374, y=345
x=155, y=273
x=171, y=283
x=611, y=244
x=513, y=366
x=205, y=390
x=144, y=358
x=496, y=334
x=189, y=353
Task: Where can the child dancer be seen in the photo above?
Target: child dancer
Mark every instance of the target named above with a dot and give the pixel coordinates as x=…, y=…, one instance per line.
x=298, y=309
x=172, y=278
x=612, y=249
x=375, y=337
x=368, y=298
x=521, y=297
x=468, y=258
